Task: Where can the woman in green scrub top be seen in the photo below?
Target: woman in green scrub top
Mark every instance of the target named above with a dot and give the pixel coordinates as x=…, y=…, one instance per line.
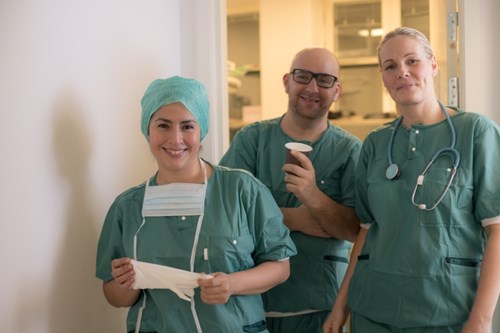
x=426, y=259
x=195, y=217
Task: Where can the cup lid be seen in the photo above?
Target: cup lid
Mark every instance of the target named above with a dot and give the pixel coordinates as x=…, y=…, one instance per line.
x=298, y=146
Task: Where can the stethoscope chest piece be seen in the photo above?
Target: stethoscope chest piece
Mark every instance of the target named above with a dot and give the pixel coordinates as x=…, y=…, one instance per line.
x=392, y=171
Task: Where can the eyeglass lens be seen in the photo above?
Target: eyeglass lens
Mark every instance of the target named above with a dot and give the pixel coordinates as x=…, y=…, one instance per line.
x=322, y=80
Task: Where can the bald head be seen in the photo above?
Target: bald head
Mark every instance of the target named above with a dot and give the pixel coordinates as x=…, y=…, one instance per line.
x=317, y=60
x=312, y=91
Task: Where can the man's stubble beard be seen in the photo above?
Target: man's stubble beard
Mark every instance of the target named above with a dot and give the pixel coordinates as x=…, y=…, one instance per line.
x=318, y=113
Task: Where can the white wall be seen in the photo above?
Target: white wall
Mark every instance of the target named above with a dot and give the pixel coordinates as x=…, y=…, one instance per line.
x=72, y=75
x=479, y=70
x=286, y=27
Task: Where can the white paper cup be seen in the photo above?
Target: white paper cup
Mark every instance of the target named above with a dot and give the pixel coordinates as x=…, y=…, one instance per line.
x=298, y=146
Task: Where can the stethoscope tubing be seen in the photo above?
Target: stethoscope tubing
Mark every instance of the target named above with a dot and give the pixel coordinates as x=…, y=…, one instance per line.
x=393, y=171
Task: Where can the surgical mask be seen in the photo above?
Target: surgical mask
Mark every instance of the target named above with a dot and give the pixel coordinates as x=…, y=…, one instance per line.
x=178, y=199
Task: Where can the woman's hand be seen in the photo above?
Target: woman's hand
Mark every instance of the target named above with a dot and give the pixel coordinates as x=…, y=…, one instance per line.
x=219, y=287
x=119, y=291
x=336, y=320
x=123, y=273
x=216, y=290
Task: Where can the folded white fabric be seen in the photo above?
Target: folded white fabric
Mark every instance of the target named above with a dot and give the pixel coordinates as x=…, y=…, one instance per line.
x=153, y=276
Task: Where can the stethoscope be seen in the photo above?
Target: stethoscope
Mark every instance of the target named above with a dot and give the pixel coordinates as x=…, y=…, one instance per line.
x=393, y=171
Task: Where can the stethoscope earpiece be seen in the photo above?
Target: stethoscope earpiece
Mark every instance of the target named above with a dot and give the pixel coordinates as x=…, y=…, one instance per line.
x=392, y=171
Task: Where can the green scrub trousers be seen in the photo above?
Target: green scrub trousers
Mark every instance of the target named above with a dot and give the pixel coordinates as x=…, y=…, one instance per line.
x=361, y=324
x=306, y=323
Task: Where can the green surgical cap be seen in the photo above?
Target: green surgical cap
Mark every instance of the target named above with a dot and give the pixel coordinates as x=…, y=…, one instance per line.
x=191, y=93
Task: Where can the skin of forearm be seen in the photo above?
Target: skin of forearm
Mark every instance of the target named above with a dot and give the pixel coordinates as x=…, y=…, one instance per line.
x=337, y=220
x=340, y=310
x=488, y=290
x=260, y=278
x=119, y=297
x=356, y=251
x=299, y=219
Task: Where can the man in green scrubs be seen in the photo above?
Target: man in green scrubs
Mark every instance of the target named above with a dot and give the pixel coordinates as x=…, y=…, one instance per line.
x=316, y=197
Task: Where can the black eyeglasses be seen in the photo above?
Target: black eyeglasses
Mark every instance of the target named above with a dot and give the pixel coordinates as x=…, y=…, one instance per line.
x=322, y=80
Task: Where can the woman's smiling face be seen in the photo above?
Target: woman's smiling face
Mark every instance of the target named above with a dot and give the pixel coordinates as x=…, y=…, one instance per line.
x=174, y=138
x=407, y=70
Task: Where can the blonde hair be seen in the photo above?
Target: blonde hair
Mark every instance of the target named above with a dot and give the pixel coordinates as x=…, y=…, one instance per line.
x=409, y=32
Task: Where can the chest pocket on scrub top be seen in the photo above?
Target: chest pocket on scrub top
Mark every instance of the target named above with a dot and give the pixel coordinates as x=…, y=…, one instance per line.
x=434, y=183
x=230, y=253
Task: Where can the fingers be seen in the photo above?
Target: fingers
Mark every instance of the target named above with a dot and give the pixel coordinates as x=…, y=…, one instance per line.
x=329, y=328
x=216, y=290
x=303, y=159
x=123, y=272
x=300, y=180
x=119, y=262
x=334, y=323
x=305, y=169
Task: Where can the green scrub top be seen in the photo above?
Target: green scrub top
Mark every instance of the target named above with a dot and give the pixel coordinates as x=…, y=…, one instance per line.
x=242, y=227
x=421, y=268
x=318, y=269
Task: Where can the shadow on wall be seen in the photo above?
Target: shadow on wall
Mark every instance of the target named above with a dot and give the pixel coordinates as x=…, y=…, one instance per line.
x=76, y=299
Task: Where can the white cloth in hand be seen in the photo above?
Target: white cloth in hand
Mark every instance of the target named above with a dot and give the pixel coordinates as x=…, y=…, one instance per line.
x=153, y=276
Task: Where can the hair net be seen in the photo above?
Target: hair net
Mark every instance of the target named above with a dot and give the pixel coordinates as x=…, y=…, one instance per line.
x=191, y=93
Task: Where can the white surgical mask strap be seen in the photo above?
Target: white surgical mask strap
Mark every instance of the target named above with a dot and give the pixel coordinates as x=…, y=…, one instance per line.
x=193, y=251
x=140, y=227
x=195, y=244
x=200, y=219
x=139, y=314
x=135, y=237
x=141, y=309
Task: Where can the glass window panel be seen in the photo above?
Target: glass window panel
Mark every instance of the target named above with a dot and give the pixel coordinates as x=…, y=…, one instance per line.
x=415, y=14
x=357, y=27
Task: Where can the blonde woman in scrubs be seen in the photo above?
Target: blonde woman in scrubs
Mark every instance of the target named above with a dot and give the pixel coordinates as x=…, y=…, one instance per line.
x=193, y=216
x=427, y=257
